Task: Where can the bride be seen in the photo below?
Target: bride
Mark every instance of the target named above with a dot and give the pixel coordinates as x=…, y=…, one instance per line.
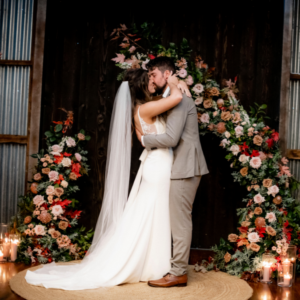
x=132, y=240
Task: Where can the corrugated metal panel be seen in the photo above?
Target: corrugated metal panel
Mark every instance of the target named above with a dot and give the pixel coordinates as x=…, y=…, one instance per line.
x=295, y=55
x=12, y=178
x=14, y=89
x=16, y=29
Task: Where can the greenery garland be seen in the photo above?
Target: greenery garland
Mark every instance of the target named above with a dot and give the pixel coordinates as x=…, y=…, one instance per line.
x=270, y=220
x=48, y=216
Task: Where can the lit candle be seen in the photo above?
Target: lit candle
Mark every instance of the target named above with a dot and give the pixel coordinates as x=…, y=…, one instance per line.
x=286, y=266
x=6, y=247
x=13, y=250
x=1, y=256
x=266, y=271
x=286, y=279
x=293, y=259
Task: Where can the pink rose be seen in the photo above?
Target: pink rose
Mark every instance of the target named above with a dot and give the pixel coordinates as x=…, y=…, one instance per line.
x=253, y=237
x=262, y=156
x=50, y=190
x=38, y=200
x=57, y=210
x=78, y=156
x=37, y=176
x=255, y=162
x=273, y=190
x=239, y=131
x=71, y=142
x=198, y=88
x=220, y=102
x=53, y=175
x=271, y=217
x=39, y=230
x=259, y=199
x=204, y=118
x=56, y=150
x=182, y=73
x=189, y=80
x=198, y=100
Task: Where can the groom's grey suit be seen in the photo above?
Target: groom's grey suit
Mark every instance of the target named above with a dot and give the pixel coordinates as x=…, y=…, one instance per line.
x=189, y=165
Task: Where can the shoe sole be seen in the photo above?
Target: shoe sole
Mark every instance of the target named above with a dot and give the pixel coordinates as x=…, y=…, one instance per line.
x=178, y=285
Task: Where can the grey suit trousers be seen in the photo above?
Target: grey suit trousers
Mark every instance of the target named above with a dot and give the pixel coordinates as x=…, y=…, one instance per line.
x=182, y=195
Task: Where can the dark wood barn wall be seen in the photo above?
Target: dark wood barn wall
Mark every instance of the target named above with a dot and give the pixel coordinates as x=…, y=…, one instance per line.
x=239, y=38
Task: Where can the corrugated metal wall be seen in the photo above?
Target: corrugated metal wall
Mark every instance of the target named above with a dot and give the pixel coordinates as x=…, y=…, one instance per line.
x=14, y=88
x=293, y=141
x=12, y=178
x=16, y=19
x=16, y=29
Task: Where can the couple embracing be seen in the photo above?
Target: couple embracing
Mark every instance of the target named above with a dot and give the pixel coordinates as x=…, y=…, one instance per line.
x=134, y=235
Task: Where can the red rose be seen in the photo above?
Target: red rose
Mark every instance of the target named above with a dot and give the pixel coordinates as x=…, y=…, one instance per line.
x=49, y=260
x=151, y=56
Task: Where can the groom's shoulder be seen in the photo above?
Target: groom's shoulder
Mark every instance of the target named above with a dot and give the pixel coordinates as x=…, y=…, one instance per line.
x=187, y=101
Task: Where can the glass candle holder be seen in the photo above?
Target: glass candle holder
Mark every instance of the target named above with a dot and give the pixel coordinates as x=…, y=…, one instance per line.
x=285, y=273
x=266, y=271
x=14, y=243
x=291, y=255
x=3, y=232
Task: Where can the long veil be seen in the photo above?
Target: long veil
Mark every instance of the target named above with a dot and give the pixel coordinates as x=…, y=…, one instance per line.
x=84, y=275
x=117, y=168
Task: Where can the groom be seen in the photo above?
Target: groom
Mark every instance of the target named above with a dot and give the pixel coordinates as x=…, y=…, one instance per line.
x=188, y=166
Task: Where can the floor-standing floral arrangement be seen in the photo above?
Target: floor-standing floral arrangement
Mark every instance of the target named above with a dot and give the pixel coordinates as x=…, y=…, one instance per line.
x=48, y=216
x=271, y=217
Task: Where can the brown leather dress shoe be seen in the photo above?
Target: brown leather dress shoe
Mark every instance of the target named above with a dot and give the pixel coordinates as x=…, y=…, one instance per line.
x=169, y=280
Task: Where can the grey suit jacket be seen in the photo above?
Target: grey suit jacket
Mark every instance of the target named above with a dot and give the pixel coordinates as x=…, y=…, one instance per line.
x=182, y=134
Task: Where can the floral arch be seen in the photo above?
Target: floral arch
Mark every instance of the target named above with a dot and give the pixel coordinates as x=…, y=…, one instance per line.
x=271, y=217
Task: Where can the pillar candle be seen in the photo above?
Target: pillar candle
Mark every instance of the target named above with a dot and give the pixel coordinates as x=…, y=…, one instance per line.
x=1, y=256
x=286, y=266
x=266, y=274
x=6, y=248
x=287, y=279
x=13, y=250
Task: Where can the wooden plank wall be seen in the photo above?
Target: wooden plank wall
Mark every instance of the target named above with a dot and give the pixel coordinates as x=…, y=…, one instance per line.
x=239, y=38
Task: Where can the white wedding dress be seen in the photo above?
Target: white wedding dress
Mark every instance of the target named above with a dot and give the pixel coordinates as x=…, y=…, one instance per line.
x=140, y=248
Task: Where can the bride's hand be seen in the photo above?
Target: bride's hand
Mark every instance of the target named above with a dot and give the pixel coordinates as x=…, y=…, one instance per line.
x=184, y=88
x=173, y=79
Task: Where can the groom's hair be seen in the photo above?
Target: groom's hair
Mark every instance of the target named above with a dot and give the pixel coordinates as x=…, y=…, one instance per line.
x=162, y=63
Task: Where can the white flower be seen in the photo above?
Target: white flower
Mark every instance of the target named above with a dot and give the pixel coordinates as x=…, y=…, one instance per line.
x=182, y=73
x=278, y=250
x=244, y=123
x=235, y=149
x=239, y=131
x=198, y=100
x=53, y=175
x=66, y=162
x=274, y=248
x=144, y=64
x=70, y=142
x=56, y=150
x=273, y=190
x=254, y=125
x=255, y=162
x=57, y=210
x=259, y=199
x=227, y=134
x=224, y=143
x=39, y=230
x=253, y=237
x=271, y=217
x=244, y=158
x=64, y=184
x=198, y=88
x=204, y=118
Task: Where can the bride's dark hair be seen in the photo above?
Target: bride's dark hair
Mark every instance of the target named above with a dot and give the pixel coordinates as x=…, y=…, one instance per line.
x=138, y=81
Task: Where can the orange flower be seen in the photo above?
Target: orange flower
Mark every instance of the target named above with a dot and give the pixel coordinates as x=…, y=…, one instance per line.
x=221, y=127
x=244, y=171
x=225, y=115
x=267, y=182
x=232, y=238
x=270, y=230
x=257, y=140
x=260, y=222
x=207, y=103
x=258, y=211
x=227, y=257
x=254, y=247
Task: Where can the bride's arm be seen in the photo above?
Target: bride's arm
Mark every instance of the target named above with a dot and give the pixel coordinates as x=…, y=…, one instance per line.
x=152, y=109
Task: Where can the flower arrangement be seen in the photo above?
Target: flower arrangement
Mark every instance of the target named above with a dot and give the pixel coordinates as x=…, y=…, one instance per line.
x=271, y=217
x=48, y=215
